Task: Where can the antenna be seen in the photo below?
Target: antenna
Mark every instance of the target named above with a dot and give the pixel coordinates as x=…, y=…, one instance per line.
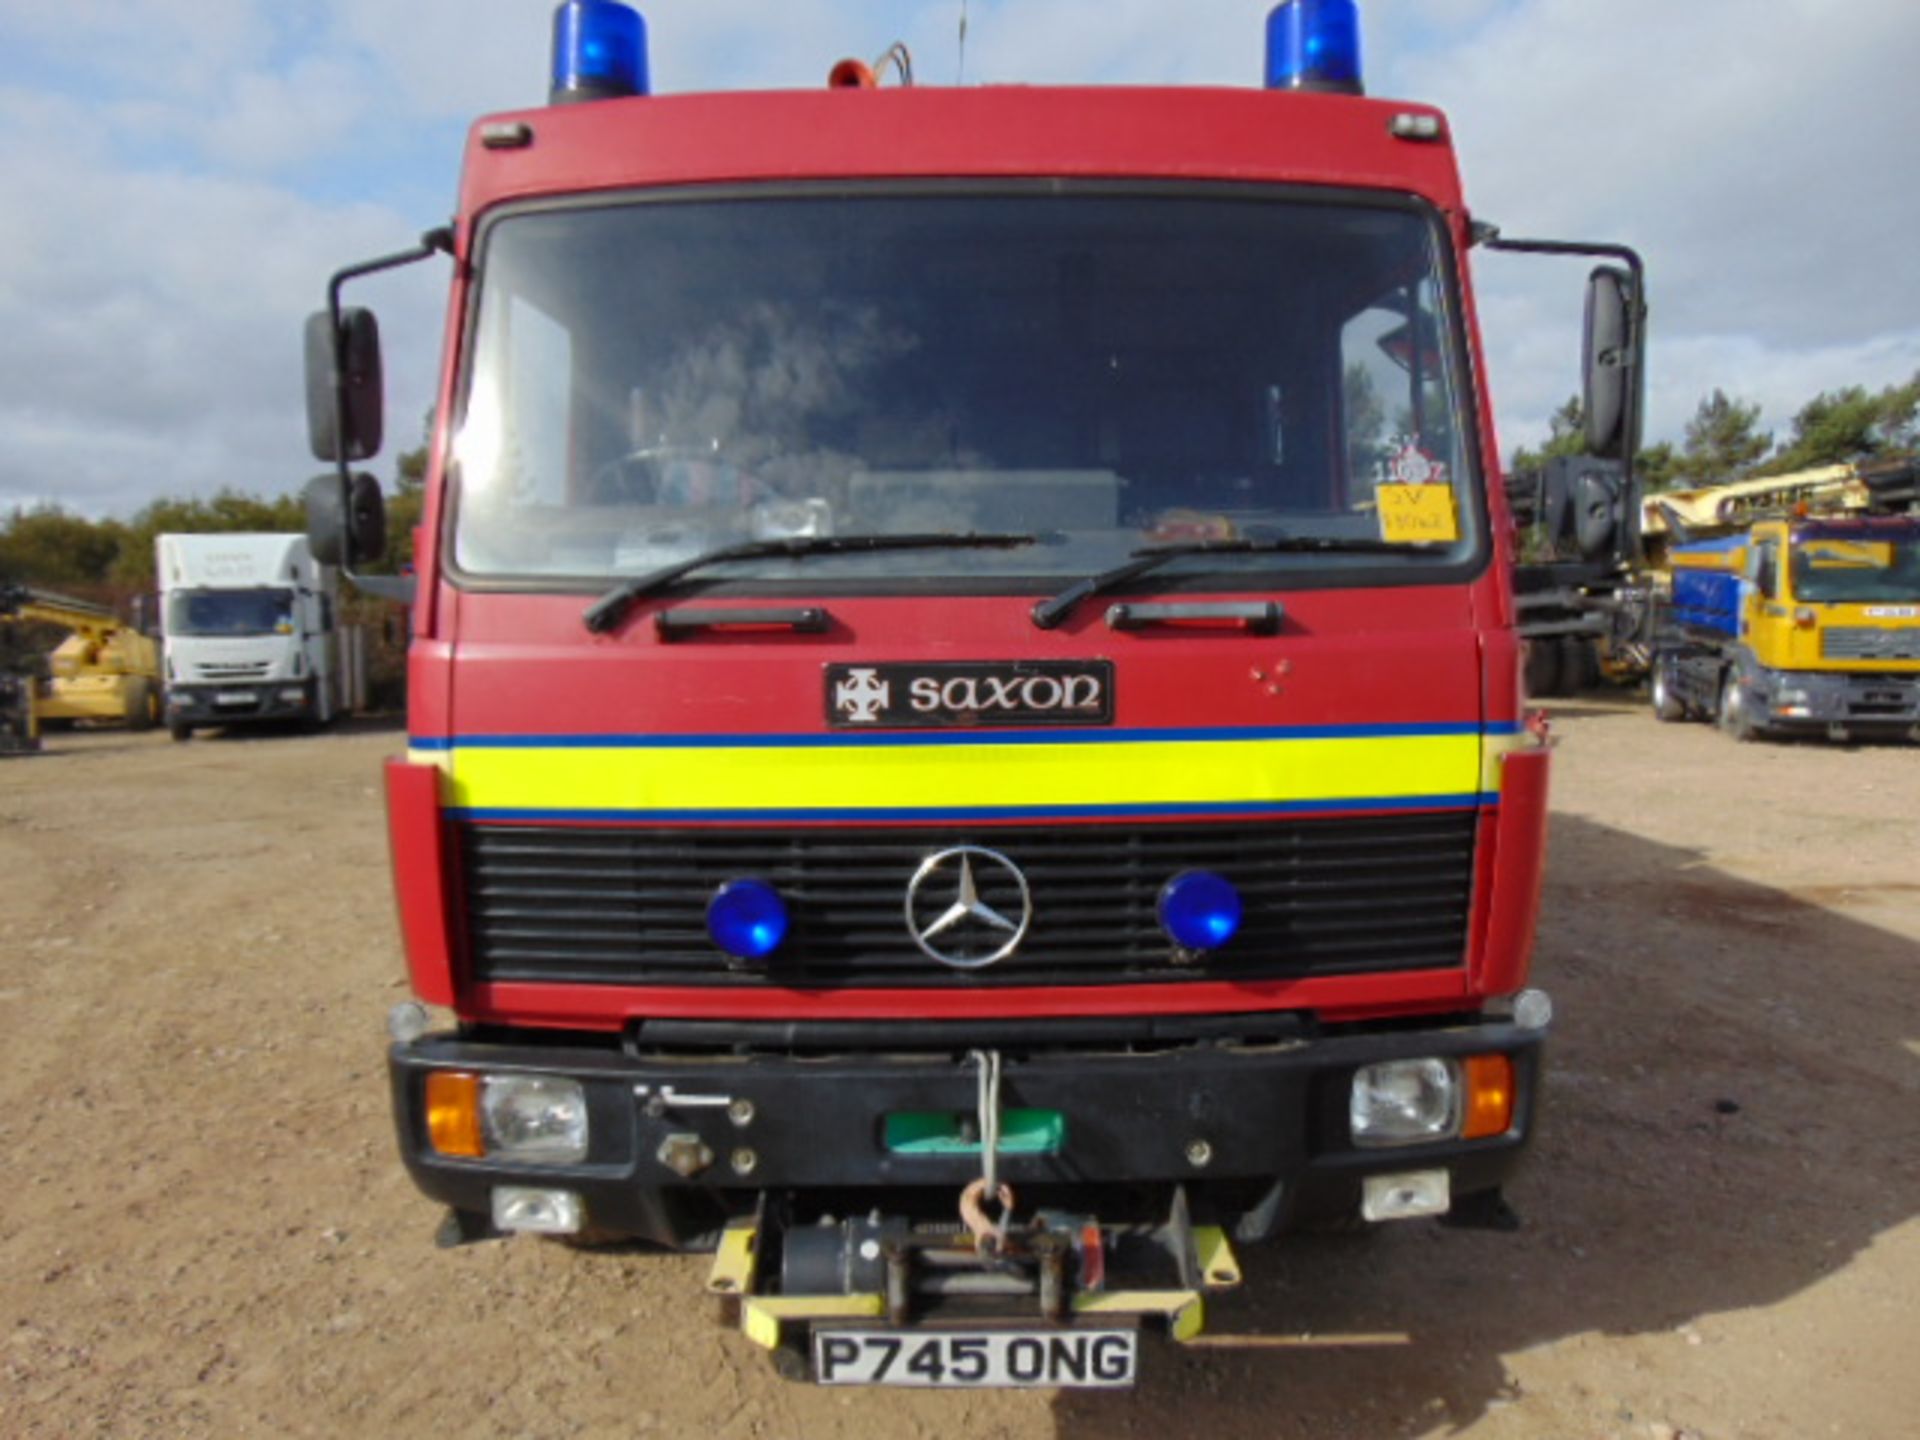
x=961, y=78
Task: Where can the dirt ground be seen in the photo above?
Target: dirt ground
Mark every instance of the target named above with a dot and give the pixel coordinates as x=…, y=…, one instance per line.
x=204, y=1230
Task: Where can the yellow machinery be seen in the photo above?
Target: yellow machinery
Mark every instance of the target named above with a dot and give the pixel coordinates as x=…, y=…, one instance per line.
x=103, y=669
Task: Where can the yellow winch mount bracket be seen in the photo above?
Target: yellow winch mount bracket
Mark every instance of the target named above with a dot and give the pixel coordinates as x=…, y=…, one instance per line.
x=1055, y=1270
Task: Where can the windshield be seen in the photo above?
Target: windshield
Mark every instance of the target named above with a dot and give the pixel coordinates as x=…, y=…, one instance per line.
x=652, y=380
x=1857, y=572
x=230, y=612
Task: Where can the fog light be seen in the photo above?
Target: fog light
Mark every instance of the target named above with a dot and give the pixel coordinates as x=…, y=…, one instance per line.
x=536, y=1212
x=1200, y=910
x=1406, y=1196
x=1404, y=1102
x=539, y=1119
x=294, y=695
x=747, y=919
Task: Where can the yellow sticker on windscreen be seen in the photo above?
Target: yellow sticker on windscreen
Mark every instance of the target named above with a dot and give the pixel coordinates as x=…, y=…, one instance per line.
x=1417, y=514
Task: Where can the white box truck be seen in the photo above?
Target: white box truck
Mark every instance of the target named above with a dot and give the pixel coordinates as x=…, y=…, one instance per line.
x=249, y=625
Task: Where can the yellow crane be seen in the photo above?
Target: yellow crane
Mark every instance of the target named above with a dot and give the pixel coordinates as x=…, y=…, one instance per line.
x=102, y=669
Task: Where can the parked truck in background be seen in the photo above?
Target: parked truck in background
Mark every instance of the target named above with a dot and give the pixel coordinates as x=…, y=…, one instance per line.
x=1795, y=625
x=966, y=740
x=250, y=626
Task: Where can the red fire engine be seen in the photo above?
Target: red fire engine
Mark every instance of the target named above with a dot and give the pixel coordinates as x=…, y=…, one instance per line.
x=966, y=746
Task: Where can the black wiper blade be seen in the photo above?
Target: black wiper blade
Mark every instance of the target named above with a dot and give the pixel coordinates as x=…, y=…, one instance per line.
x=1047, y=614
x=609, y=610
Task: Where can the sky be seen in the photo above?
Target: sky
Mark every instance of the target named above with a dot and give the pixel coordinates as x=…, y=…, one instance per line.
x=181, y=176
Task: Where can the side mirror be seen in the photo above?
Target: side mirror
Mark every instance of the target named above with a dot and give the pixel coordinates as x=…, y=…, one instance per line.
x=344, y=364
x=1584, y=506
x=1608, y=365
x=346, y=520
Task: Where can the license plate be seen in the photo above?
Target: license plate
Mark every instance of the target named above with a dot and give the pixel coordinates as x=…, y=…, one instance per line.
x=977, y=1359
x=233, y=697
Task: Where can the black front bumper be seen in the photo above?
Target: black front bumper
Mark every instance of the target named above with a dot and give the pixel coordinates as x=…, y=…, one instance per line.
x=1257, y=1134
x=238, y=704
x=1800, y=701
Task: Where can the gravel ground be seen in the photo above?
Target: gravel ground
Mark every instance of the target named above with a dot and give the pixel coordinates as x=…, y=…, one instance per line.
x=205, y=1231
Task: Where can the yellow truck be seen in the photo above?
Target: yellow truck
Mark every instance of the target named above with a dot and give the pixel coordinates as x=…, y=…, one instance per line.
x=102, y=669
x=1800, y=624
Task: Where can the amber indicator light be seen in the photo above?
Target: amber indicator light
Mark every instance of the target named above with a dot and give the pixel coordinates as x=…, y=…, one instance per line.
x=1489, y=1097
x=453, y=1114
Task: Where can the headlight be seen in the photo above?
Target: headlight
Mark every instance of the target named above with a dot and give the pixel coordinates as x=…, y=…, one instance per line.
x=1405, y=1102
x=536, y=1118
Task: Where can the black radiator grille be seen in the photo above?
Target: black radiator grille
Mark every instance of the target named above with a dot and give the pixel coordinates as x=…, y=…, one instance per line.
x=1864, y=642
x=628, y=906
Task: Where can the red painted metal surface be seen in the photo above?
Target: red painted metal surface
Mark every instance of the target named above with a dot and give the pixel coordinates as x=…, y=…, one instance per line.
x=417, y=835
x=937, y=133
x=507, y=664
x=607, y=1007
x=1519, y=845
x=528, y=666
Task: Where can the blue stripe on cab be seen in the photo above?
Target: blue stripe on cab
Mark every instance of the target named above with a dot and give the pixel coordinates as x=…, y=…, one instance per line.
x=1035, y=736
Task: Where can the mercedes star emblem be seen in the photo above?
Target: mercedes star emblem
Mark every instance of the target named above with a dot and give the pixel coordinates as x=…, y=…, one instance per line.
x=972, y=933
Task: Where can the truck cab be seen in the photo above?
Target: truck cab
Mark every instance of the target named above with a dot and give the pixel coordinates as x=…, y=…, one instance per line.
x=1800, y=624
x=965, y=736
x=249, y=631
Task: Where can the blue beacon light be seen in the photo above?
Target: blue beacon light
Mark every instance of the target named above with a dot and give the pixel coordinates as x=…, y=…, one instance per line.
x=599, y=51
x=747, y=919
x=1315, y=45
x=1200, y=910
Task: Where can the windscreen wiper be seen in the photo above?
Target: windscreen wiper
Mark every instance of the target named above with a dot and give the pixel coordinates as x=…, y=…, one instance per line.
x=608, y=611
x=1047, y=614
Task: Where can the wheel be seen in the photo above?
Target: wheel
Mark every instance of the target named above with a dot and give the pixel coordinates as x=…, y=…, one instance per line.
x=138, y=699
x=1666, y=705
x=1579, y=665
x=1542, y=668
x=1736, y=711
x=672, y=475
x=180, y=732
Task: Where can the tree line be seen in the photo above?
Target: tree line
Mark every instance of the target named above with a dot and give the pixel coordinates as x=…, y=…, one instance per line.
x=53, y=548
x=1723, y=442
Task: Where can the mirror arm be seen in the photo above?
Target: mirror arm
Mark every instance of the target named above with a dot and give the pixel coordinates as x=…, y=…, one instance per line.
x=438, y=241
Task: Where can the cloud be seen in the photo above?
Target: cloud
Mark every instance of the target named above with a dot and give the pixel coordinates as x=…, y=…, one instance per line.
x=182, y=175
x=1753, y=150
x=153, y=319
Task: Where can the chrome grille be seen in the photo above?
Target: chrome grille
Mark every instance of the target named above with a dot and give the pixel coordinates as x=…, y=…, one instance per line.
x=1864, y=642
x=628, y=906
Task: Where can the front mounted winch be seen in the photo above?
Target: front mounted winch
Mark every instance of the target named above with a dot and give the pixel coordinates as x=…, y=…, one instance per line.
x=875, y=1278
x=857, y=1285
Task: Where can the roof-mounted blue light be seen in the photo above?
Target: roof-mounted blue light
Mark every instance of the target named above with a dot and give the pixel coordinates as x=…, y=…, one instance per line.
x=599, y=51
x=1315, y=45
x=1200, y=910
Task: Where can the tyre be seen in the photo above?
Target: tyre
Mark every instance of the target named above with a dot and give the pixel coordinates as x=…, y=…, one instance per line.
x=138, y=700
x=1736, y=710
x=1543, y=668
x=1666, y=705
x=180, y=732
x=1579, y=665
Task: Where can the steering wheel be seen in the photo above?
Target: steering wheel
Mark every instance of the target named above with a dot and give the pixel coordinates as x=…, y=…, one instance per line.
x=639, y=477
